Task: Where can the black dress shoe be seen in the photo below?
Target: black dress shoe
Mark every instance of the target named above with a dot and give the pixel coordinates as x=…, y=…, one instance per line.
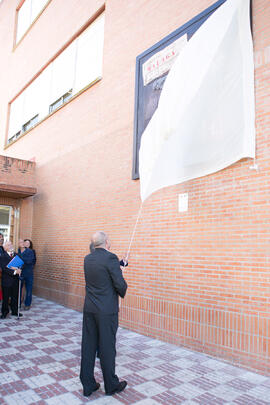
x=87, y=393
x=120, y=387
x=3, y=316
x=16, y=314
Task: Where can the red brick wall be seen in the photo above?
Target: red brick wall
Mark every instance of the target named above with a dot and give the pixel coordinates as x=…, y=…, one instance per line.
x=199, y=278
x=26, y=218
x=17, y=172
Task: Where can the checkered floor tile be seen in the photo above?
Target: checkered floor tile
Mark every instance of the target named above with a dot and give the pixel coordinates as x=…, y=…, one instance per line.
x=40, y=362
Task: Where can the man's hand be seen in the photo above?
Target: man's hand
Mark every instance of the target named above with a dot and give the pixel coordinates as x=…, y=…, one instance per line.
x=125, y=259
x=16, y=270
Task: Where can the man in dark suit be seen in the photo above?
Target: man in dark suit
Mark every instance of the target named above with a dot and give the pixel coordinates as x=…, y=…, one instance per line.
x=1, y=253
x=1, y=244
x=104, y=285
x=10, y=282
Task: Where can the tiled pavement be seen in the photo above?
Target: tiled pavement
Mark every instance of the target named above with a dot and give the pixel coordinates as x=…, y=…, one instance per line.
x=40, y=357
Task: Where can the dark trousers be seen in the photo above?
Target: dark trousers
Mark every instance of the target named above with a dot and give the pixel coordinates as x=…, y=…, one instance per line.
x=10, y=292
x=27, y=280
x=99, y=330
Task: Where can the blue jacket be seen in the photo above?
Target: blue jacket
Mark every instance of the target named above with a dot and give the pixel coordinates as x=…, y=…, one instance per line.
x=29, y=258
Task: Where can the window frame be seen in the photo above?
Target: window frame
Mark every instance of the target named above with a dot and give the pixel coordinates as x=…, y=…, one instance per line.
x=64, y=99
x=30, y=123
x=5, y=226
x=15, y=42
x=20, y=134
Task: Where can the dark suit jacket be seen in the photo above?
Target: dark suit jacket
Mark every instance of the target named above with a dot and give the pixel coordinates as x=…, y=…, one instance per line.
x=104, y=282
x=7, y=274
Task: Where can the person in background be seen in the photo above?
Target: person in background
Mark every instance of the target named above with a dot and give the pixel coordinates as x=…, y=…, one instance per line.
x=1, y=253
x=29, y=244
x=1, y=244
x=27, y=254
x=10, y=281
x=104, y=284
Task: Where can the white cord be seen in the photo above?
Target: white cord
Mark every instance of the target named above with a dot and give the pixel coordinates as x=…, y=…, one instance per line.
x=134, y=229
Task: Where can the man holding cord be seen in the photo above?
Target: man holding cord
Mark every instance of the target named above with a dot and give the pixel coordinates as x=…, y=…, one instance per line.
x=104, y=284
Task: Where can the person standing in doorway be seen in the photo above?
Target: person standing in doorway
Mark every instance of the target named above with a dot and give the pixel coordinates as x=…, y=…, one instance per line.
x=27, y=254
x=104, y=284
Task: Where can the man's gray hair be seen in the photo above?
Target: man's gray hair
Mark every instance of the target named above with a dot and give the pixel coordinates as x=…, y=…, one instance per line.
x=99, y=239
x=8, y=243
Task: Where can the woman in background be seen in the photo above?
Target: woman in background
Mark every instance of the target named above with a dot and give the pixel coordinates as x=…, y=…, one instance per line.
x=29, y=244
x=28, y=255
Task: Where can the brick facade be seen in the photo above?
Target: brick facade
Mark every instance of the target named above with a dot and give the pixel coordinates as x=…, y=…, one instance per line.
x=199, y=278
x=17, y=177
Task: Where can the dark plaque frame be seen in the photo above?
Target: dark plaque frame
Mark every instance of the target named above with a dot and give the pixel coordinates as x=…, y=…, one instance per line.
x=147, y=97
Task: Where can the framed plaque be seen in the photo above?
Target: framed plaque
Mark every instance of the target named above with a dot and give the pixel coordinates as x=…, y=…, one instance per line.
x=152, y=68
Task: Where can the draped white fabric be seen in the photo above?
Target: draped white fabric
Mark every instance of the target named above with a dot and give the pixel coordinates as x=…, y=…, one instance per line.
x=205, y=120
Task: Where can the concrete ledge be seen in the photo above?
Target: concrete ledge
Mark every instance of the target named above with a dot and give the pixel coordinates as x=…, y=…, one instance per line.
x=16, y=191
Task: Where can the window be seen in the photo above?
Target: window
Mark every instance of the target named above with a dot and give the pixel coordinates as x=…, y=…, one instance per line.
x=60, y=101
x=29, y=124
x=76, y=68
x=9, y=222
x=5, y=220
x=14, y=137
x=27, y=14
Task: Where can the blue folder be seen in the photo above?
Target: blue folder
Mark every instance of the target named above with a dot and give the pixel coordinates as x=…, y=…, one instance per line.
x=15, y=262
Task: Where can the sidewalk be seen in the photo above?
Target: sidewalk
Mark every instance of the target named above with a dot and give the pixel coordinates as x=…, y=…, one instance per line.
x=40, y=361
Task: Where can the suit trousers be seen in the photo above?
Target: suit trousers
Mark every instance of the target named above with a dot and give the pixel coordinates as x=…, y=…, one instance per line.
x=99, y=331
x=10, y=292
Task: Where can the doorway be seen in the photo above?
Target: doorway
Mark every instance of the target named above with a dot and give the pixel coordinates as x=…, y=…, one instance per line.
x=9, y=221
